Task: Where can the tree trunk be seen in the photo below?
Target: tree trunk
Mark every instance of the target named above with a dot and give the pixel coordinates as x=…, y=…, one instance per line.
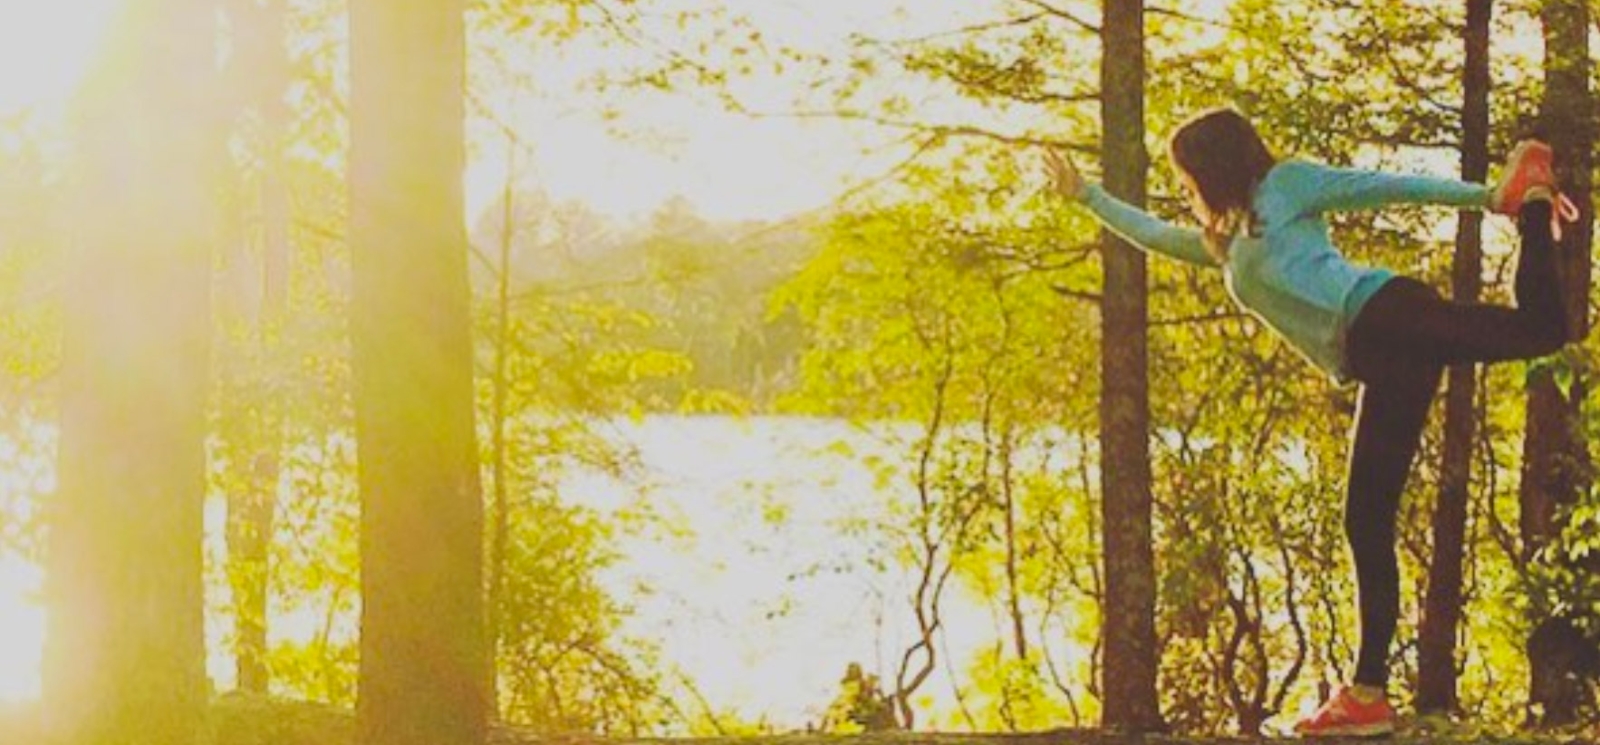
x=1131, y=654
x=124, y=658
x=1014, y=590
x=424, y=660
x=1436, y=637
x=499, y=456
x=1556, y=466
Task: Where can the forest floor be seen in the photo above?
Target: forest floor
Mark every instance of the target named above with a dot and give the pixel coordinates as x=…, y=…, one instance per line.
x=247, y=721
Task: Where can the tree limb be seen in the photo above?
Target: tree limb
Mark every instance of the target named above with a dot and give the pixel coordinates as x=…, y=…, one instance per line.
x=1065, y=15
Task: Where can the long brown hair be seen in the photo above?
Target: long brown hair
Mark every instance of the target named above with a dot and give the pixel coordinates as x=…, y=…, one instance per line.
x=1225, y=158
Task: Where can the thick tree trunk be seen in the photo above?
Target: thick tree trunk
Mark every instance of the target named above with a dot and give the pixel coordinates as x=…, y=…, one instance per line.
x=1556, y=467
x=1131, y=653
x=125, y=653
x=424, y=659
x=1441, y=617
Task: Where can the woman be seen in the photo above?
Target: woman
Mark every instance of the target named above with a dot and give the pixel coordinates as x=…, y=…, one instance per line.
x=1263, y=227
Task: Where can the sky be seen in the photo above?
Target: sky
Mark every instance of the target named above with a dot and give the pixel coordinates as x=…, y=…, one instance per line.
x=731, y=166
x=45, y=48
x=728, y=165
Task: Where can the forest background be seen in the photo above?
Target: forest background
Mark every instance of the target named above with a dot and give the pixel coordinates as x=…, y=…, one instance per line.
x=796, y=402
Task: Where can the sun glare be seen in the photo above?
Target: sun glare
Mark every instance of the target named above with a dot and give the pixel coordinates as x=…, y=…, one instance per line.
x=21, y=630
x=25, y=473
x=45, y=48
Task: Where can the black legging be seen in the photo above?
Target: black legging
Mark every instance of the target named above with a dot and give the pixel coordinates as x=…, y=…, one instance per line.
x=1397, y=347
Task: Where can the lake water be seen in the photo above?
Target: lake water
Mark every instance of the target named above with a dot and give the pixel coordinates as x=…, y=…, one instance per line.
x=763, y=615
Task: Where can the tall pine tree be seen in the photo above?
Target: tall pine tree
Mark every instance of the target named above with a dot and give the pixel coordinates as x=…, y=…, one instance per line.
x=124, y=659
x=1436, y=637
x=1556, y=466
x=1131, y=654
x=424, y=663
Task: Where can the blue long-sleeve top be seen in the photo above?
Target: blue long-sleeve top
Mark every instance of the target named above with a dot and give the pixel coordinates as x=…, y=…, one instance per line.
x=1286, y=271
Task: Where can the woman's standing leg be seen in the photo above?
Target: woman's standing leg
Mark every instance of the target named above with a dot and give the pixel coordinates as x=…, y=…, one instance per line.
x=1391, y=411
x=1390, y=416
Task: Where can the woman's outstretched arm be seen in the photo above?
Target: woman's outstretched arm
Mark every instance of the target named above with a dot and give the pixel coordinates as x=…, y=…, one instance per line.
x=1134, y=225
x=1316, y=188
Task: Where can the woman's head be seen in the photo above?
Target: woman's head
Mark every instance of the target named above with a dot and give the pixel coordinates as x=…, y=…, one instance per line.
x=1221, y=160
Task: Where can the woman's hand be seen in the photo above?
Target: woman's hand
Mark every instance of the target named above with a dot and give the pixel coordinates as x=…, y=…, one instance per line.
x=1064, y=177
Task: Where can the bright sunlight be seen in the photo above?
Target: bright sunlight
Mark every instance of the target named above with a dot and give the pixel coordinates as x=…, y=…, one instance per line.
x=45, y=49
x=25, y=473
x=21, y=630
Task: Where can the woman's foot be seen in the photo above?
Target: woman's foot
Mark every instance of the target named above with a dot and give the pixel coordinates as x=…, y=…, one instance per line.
x=1529, y=165
x=1529, y=174
x=1354, y=711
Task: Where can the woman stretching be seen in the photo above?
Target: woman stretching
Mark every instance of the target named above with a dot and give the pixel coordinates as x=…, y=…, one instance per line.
x=1263, y=227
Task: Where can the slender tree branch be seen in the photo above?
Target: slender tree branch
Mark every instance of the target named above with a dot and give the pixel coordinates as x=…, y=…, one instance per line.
x=1199, y=318
x=969, y=30
x=1076, y=294
x=943, y=131
x=1176, y=14
x=1065, y=15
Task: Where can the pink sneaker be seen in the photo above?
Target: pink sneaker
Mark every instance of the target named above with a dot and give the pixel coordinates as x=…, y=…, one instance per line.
x=1345, y=715
x=1530, y=167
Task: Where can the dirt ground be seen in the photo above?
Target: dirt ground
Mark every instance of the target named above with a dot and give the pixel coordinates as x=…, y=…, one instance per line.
x=246, y=721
